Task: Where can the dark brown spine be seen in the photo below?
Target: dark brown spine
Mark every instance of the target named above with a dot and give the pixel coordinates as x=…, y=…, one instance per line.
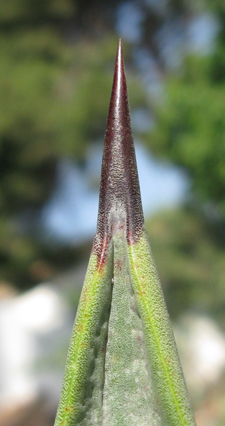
x=119, y=190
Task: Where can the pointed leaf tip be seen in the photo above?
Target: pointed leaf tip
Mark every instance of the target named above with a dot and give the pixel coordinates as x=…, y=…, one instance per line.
x=119, y=189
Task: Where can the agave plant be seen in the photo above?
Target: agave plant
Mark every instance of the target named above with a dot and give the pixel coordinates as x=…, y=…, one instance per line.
x=123, y=367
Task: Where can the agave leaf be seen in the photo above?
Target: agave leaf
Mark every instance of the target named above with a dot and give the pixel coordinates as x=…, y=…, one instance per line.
x=122, y=368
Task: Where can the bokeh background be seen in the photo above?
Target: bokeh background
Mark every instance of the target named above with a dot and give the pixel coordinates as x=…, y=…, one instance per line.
x=56, y=68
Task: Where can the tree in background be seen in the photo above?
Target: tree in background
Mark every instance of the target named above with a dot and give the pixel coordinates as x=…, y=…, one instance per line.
x=190, y=127
x=56, y=67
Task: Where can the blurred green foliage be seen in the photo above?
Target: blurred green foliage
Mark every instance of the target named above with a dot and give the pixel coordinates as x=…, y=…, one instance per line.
x=55, y=83
x=189, y=254
x=190, y=120
x=191, y=125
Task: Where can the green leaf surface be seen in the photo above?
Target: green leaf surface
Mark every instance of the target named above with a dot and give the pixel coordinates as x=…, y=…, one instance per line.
x=128, y=393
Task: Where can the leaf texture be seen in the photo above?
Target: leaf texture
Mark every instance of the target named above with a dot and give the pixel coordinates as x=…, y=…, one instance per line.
x=123, y=367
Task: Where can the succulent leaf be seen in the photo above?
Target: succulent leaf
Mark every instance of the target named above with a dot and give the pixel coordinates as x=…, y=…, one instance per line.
x=123, y=367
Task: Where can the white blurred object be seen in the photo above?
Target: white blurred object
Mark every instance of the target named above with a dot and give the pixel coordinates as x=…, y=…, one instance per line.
x=201, y=346
x=32, y=326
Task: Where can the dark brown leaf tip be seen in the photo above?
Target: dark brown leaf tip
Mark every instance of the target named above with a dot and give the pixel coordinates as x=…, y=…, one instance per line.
x=119, y=191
